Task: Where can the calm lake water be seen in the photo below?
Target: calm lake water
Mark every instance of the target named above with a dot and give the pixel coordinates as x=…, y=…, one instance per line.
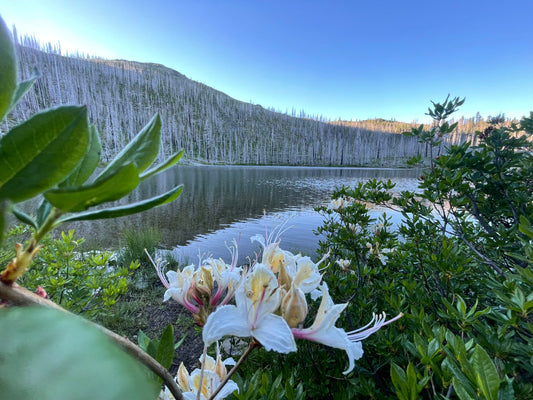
x=219, y=203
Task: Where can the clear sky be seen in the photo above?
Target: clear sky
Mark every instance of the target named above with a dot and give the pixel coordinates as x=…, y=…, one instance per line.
x=346, y=59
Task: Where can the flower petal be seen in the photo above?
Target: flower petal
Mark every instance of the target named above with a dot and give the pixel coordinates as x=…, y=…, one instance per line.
x=228, y=389
x=226, y=320
x=274, y=334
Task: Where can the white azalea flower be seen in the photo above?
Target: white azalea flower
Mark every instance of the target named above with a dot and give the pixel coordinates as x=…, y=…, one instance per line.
x=227, y=279
x=257, y=298
x=379, y=253
x=344, y=264
x=324, y=331
x=178, y=287
x=213, y=375
x=339, y=203
x=203, y=288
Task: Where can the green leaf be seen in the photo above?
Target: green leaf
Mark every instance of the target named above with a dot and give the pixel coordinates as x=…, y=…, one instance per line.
x=412, y=381
x=180, y=342
x=23, y=217
x=48, y=355
x=80, y=198
x=525, y=227
x=8, y=70
x=462, y=393
x=43, y=211
x=399, y=380
x=165, y=350
x=143, y=340
x=129, y=209
x=42, y=151
x=89, y=162
x=487, y=377
x=161, y=167
x=20, y=91
x=152, y=348
x=141, y=151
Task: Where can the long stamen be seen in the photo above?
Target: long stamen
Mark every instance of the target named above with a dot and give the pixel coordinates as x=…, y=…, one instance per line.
x=379, y=321
x=159, y=269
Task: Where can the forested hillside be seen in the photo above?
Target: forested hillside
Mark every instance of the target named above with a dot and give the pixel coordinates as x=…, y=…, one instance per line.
x=467, y=126
x=212, y=127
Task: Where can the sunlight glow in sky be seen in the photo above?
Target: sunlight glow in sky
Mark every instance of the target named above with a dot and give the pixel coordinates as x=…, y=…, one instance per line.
x=339, y=59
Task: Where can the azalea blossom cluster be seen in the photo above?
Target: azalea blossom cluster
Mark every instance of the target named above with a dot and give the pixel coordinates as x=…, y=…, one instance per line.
x=339, y=203
x=380, y=253
x=205, y=381
x=271, y=301
x=271, y=306
x=203, y=287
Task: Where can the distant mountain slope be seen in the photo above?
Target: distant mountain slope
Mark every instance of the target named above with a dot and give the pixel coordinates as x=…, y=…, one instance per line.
x=211, y=126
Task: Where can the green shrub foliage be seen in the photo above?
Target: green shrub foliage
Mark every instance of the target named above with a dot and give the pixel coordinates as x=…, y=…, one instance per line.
x=458, y=265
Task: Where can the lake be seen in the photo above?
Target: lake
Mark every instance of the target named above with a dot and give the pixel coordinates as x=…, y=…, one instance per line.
x=219, y=203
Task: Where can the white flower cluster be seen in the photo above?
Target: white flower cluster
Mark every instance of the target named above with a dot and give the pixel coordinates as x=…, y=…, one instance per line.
x=206, y=382
x=271, y=306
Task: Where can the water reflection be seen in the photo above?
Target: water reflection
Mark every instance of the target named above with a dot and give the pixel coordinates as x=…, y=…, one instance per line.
x=232, y=199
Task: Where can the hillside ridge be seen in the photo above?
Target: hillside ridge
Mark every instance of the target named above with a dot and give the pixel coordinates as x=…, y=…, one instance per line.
x=212, y=127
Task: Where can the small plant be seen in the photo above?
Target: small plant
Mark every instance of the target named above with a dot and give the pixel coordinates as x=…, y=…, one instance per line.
x=83, y=282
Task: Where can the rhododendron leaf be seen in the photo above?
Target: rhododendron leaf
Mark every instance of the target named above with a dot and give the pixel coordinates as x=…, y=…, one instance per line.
x=141, y=151
x=121, y=211
x=80, y=198
x=163, y=166
x=165, y=350
x=89, y=162
x=33, y=155
x=49, y=355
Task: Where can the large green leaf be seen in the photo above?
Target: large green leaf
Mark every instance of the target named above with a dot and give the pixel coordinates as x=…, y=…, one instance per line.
x=42, y=151
x=163, y=166
x=80, y=198
x=165, y=350
x=48, y=355
x=8, y=69
x=128, y=209
x=487, y=377
x=89, y=162
x=141, y=151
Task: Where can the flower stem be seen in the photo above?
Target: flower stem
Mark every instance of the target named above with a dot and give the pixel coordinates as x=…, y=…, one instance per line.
x=204, y=355
x=253, y=345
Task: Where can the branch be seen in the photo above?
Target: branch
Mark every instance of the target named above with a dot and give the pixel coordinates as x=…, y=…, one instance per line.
x=253, y=344
x=482, y=256
x=21, y=296
x=475, y=212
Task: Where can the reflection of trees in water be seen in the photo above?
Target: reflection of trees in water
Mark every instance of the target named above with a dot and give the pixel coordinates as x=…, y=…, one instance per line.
x=216, y=196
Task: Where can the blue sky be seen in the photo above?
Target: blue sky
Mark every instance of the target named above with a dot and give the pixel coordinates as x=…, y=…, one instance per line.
x=339, y=59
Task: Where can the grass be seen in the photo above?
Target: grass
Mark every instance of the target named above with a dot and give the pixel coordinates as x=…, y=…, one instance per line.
x=134, y=241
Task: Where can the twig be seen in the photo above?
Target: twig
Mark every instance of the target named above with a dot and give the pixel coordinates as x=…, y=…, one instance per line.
x=204, y=355
x=487, y=260
x=253, y=344
x=21, y=296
